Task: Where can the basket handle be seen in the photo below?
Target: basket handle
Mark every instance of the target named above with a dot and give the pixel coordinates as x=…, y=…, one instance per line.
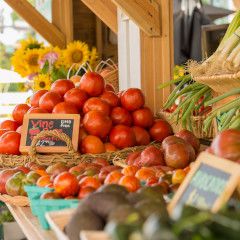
x=50, y=133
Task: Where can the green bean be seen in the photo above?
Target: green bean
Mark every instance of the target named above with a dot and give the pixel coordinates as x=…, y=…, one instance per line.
x=230, y=115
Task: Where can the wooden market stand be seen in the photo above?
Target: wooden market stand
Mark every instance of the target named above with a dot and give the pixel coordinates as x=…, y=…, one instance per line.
x=144, y=30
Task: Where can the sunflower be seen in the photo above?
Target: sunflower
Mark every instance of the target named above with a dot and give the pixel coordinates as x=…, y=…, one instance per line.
x=93, y=58
x=18, y=64
x=31, y=58
x=30, y=43
x=76, y=53
x=42, y=81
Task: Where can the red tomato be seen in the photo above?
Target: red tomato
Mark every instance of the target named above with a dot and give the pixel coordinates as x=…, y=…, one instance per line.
x=61, y=86
x=110, y=147
x=19, y=111
x=92, y=144
x=65, y=108
x=10, y=125
x=36, y=110
x=76, y=97
x=90, y=182
x=49, y=100
x=109, y=87
x=143, y=117
x=96, y=123
x=111, y=98
x=66, y=184
x=152, y=181
x=84, y=192
x=143, y=174
x=132, y=99
x=22, y=169
x=142, y=135
x=2, y=131
x=101, y=161
x=130, y=182
x=120, y=115
x=122, y=136
x=132, y=157
x=113, y=177
x=96, y=104
x=9, y=143
x=130, y=170
x=160, y=130
x=92, y=83
x=34, y=100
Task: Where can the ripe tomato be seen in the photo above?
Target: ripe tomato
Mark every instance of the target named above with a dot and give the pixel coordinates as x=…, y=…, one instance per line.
x=110, y=147
x=2, y=131
x=34, y=100
x=142, y=135
x=43, y=181
x=120, y=115
x=113, y=177
x=132, y=157
x=49, y=100
x=143, y=174
x=130, y=182
x=65, y=108
x=92, y=83
x=66, y=184
x=143, y=117
x=19, y=111
x=9, y=143
x=96, y=123
x=130, y=170
x=76, y=97
x=152, y=181
x=61, y=86
x=36, y=110
x=84, y=192
x=92, y=144
x=178, y=176
x=109, y=87
x=160, y=130
x=10, y=125
x=122, y=136
x=101, y=162
x=132, y=99
x=111, y=98
x=96, y=104
x=90, y=182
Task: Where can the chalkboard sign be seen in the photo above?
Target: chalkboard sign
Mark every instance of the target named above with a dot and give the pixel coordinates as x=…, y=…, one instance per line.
x=209, y=184
x=36, y=123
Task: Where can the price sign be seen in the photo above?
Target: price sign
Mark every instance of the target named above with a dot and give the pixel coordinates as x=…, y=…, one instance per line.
x=36, y=123
x=209, y=184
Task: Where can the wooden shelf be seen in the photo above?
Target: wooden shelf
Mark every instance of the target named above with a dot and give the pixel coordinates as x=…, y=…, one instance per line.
x=29, y=224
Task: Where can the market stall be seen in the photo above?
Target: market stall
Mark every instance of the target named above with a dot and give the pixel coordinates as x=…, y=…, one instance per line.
x=122, y=151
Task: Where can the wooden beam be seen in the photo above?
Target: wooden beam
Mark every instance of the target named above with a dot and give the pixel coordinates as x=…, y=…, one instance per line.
x=62, y=17
x=157, y=59
x=145, y=13
x=50, y=32
x=106, y=10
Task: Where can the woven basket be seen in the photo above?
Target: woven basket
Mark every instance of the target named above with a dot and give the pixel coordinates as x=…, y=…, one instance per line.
x=220, y=83
x=69, y=158
x=197, y=125
x=20, y=201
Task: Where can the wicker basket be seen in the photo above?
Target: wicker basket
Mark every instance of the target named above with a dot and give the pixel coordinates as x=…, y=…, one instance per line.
x=220, y=83
x=197, y=124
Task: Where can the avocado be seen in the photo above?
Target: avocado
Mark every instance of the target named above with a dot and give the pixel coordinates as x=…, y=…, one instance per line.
x=83, y=219
x=123, y=213
x=113, y=188
x=148, y=207
x=156, y=228
x=102, y=203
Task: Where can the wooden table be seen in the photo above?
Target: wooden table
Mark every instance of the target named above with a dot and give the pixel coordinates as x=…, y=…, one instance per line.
x=29, y=224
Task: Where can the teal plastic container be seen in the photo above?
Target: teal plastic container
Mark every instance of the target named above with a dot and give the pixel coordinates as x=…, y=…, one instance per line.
x=34, y=193
x=40, y=206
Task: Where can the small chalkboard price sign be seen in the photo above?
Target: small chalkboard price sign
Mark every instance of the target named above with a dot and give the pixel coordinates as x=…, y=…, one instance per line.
x=209, y=184
x=36, y=123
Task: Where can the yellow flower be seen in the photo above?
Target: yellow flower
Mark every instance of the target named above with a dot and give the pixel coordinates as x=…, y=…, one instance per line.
x=178, y=71
x=30, y=43
x=93, y=58
x=76, y=53
x=31, y=59
x=18, y=63
x=42, y=81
